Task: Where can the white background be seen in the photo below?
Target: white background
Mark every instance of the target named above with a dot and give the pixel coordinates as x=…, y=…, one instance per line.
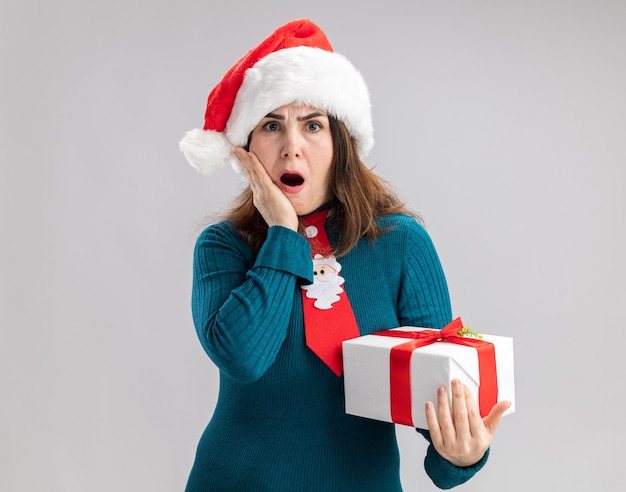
x=502, y=122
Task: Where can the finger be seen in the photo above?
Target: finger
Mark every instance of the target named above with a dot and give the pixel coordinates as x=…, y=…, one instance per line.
x=243, y=157
x=433, y=425
x=492, y=420
x=444, y=413
x=248, y=168
x=258, y=179
x=459, y=407
x=476, y=423
x=250, y=164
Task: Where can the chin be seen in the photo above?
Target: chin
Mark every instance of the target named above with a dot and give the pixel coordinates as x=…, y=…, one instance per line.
x=303, y=207
x=300, y=208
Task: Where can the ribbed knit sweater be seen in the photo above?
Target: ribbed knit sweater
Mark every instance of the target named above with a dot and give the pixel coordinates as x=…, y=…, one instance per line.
x=279, y=423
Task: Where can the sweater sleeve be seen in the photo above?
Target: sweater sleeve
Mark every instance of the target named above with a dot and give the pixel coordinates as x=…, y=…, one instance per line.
x=241, y=305
x=425, y=302
x=444, y=474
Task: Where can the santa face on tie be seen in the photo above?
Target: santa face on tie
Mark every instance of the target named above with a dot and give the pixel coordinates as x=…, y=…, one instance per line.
x=327, y=282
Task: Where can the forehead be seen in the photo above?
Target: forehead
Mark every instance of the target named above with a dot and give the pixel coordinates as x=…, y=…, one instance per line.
x=297, y=109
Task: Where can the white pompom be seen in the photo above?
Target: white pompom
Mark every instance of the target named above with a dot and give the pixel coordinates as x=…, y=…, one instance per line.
x=206, y=151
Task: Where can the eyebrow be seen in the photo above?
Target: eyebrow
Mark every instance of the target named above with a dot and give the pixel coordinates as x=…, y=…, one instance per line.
x=316, y=114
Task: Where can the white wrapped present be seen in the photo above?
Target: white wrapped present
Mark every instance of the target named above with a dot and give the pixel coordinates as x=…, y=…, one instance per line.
x=390, y=375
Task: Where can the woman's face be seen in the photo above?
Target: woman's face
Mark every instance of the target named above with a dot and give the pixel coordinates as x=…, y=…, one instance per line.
x=295, y=146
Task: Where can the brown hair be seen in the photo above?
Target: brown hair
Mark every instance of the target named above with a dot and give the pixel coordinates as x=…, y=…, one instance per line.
x=360, y=196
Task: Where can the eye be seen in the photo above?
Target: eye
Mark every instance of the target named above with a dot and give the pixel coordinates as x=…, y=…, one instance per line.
x=313, y=126
x=271, y=126
x=322, y=271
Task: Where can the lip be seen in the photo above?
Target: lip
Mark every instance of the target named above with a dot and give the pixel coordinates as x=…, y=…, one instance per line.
x=286, y=188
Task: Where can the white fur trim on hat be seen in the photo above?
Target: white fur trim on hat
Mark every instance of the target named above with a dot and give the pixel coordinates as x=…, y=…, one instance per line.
x=305, y=75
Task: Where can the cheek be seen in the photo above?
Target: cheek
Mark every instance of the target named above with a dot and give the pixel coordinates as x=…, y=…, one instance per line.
x=327, y=174
x=324, y=162
x=257, y=145
x=263, y=150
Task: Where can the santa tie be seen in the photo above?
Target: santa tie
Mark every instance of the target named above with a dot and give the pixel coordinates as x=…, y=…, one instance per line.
x=328, y=316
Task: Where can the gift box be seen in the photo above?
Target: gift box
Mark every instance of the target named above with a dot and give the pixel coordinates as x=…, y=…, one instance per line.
x=390, y=375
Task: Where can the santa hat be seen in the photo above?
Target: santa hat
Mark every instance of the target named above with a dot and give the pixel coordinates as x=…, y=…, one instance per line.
x=296, y=63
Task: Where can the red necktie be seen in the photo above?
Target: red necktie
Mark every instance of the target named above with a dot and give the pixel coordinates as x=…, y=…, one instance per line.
x=328, y=316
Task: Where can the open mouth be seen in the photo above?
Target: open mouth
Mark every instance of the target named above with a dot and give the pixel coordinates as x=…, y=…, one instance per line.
x=291, y=179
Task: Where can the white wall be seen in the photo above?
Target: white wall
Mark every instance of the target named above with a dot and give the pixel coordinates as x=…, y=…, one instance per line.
x=502, y=122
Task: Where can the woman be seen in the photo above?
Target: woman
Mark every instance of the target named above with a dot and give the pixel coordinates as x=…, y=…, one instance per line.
x=316, y=250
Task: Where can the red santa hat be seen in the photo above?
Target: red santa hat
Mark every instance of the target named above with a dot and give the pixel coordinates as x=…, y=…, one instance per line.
x=296, y=63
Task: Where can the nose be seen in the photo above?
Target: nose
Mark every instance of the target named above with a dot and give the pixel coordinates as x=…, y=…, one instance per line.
x=292, y=145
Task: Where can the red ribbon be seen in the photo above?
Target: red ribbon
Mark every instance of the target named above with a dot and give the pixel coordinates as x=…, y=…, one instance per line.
x=400, y=367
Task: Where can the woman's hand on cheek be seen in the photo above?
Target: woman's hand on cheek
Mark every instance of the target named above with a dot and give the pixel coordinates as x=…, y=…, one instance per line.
x=459, y=434
x=269, y=199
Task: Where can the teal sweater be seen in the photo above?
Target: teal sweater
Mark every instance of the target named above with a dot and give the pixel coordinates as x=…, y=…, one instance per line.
x=279, y=423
